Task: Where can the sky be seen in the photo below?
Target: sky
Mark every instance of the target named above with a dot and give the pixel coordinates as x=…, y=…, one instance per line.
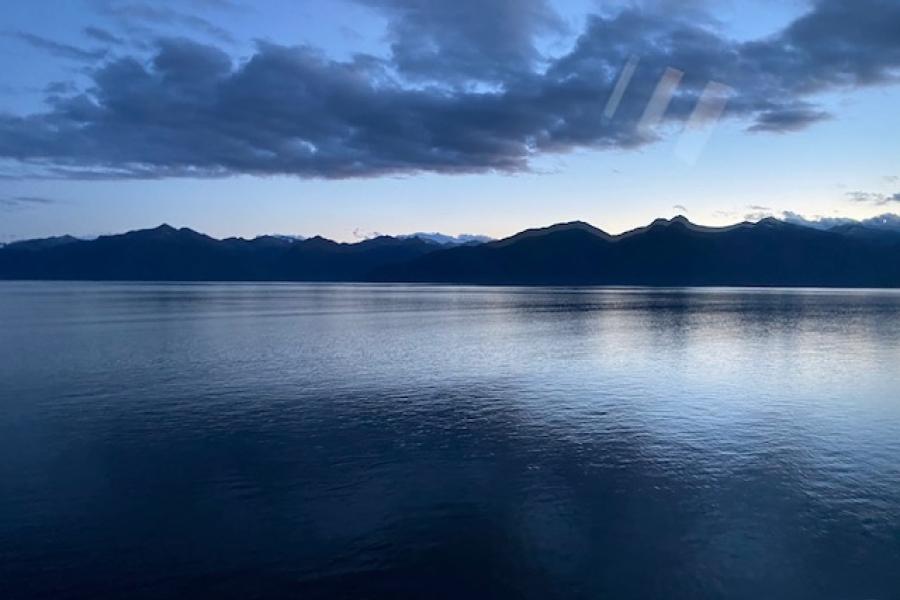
x=351, y=118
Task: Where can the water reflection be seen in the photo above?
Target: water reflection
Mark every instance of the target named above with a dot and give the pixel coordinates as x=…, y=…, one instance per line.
x=390, y=441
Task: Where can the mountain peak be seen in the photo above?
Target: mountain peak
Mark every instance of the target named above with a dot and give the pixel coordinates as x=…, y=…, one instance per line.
x=555, y=229
x=667, y=252
x=676, y=220
x=317, y=241
x=43, y=243
x=164, y=229
x=448, y=240
x=164, y=232
x=576, y=225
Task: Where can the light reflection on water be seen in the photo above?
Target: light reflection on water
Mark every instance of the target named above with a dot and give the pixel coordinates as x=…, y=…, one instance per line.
x=409, y=441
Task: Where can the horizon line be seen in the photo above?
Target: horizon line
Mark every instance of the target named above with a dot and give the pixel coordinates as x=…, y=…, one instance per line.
x=786, y=217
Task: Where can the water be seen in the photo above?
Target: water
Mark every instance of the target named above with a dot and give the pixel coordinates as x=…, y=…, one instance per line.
x=313, y=441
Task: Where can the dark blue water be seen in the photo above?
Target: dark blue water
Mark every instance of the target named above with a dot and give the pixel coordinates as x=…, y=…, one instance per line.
x=315, y=441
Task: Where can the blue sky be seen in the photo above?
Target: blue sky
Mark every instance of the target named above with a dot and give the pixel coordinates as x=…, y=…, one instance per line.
x=392, y=116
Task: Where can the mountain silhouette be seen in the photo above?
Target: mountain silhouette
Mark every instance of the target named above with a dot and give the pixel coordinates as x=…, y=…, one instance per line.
x=668, y=252
x=42, y=244
x=672, y=252
x=169, y=254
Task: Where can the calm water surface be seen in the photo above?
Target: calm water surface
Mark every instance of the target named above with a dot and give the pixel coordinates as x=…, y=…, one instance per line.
x=318, y=441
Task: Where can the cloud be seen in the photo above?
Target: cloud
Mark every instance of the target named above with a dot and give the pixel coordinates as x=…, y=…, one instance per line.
x=788, y=120
x=455, y=96
x=680, y=208
x=815, y=222
x=139, y=16
x=59, y=49
x=102, y=35
x=888, y=221
x=876, y=198
x=460, y=41
x=58, y=88
x=226, y=5
x=19, y=202
x=444, y=239
x=361, y=234
x=758, y=215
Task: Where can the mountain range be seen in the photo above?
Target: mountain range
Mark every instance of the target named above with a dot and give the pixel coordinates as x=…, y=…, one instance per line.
x=668, y=252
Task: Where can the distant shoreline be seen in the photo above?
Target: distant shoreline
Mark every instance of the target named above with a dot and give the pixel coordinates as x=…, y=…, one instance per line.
x=666, y=253
x=420, y=284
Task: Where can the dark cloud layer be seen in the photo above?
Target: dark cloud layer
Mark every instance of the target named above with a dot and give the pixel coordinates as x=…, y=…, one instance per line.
x=58, y=49
x=458, y=94
x=465, y=40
